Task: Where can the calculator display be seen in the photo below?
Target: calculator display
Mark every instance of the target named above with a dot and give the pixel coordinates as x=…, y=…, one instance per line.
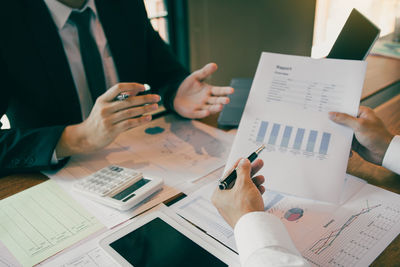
x=127, y=193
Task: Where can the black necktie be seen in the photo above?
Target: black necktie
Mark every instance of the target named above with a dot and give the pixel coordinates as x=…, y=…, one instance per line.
x=91, y=58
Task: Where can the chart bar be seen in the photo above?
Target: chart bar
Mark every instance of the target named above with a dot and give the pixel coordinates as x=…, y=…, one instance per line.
x=286, y=136
x=262, y=131
x=299, y=138
x=274, y=134
x=311, y=141
x=323, y=149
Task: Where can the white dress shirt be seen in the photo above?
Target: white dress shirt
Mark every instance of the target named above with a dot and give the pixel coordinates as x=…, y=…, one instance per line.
x=262, y=239
x=70, y=40
x=391, y=159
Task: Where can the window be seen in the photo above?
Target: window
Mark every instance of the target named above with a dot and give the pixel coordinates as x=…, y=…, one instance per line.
x=332, y=14
x=169, y=18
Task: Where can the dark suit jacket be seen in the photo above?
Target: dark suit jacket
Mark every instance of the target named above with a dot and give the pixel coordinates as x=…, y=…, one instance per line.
x=37, y=91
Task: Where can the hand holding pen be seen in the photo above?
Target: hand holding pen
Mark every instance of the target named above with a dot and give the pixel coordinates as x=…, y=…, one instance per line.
x=229, y=180
x=245, y=195
x=125, y=95
x=108, y=118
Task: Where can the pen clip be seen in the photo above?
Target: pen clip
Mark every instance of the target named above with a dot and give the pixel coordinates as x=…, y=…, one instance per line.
x=122, y=96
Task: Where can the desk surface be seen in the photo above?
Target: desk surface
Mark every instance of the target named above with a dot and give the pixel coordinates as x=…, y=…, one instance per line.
x=381, y=72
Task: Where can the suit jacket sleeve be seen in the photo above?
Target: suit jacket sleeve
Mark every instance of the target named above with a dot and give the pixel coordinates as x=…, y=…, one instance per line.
x=23, y=150
x=165, y=73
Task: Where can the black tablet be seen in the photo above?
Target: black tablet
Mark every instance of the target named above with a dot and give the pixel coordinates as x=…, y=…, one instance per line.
x=356, y=38
x=157, y=240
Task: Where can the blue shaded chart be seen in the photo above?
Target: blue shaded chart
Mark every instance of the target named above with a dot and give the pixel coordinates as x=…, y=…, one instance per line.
x=287, y=137
x=312, y=138
x=299, y=139
x=293, y=214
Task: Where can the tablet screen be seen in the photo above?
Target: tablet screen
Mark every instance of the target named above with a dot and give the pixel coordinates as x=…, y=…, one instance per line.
x=356, y=38
x=159, y=244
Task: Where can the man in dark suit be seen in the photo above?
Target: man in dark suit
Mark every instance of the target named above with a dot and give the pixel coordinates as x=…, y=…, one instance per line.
x=57, y=59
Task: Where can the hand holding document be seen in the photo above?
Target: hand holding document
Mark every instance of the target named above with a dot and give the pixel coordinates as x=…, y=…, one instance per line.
x=287, y=110
x=350, y=234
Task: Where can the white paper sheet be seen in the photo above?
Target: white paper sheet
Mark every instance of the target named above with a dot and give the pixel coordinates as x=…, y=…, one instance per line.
x=198, y=209
x=90, y=254
x=352, y=234
x=174, y=149
x=306, y=154
x=357, y=233
x=87, y=253
x=108, y=216
x=41, y=221
x=6, y=258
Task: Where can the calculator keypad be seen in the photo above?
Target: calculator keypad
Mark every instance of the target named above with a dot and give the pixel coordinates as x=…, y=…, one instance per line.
x=107, y=180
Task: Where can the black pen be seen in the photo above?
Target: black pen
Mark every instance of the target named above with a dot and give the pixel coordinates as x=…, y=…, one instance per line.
x=225, y=183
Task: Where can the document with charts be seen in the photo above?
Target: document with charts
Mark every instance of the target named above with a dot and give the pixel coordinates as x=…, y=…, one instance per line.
x=350, y=234
x=175, y=149
x=306, y=154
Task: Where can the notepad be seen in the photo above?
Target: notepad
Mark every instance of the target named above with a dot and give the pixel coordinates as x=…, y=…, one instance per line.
x=41, y=221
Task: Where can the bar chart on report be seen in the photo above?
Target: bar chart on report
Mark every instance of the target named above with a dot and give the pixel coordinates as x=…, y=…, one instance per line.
x=286, y=138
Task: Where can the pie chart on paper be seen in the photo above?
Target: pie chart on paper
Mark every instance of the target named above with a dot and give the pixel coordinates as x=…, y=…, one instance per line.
x=294, y=214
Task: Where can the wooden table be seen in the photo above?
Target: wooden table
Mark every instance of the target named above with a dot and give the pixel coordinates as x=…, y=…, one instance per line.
x=381, y=73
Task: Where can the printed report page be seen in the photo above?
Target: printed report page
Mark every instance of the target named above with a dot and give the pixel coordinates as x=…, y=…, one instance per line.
x=287, y=110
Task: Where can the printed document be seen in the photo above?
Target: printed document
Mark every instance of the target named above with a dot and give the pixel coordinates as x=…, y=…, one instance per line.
x=287, y=110
x=177, y=150
x=41, y=221
x=326, y=234
x=174, y=149
x=90, y=254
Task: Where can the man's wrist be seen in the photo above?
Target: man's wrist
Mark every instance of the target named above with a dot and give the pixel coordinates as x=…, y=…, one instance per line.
x=72, y=141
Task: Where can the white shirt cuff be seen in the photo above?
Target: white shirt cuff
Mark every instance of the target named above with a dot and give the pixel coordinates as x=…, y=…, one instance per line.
x=54, y=159
x=391, y=160
x=256, y=231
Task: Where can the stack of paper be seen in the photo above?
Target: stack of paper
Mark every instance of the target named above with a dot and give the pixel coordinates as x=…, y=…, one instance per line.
x=326, y=234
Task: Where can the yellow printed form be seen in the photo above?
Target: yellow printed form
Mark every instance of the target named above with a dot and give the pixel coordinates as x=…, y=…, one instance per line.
x=41, y=221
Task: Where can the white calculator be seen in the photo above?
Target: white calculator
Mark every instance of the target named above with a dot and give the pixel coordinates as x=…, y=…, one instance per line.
x=118, y=187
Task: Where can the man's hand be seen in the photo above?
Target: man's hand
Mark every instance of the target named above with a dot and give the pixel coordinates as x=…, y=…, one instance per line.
x=197, y=99
x=372, y=136
x=107, y=120
x=245, y=195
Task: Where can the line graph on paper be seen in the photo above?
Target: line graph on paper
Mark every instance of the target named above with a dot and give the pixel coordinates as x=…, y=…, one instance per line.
x=346, y=241
x=326, y=241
